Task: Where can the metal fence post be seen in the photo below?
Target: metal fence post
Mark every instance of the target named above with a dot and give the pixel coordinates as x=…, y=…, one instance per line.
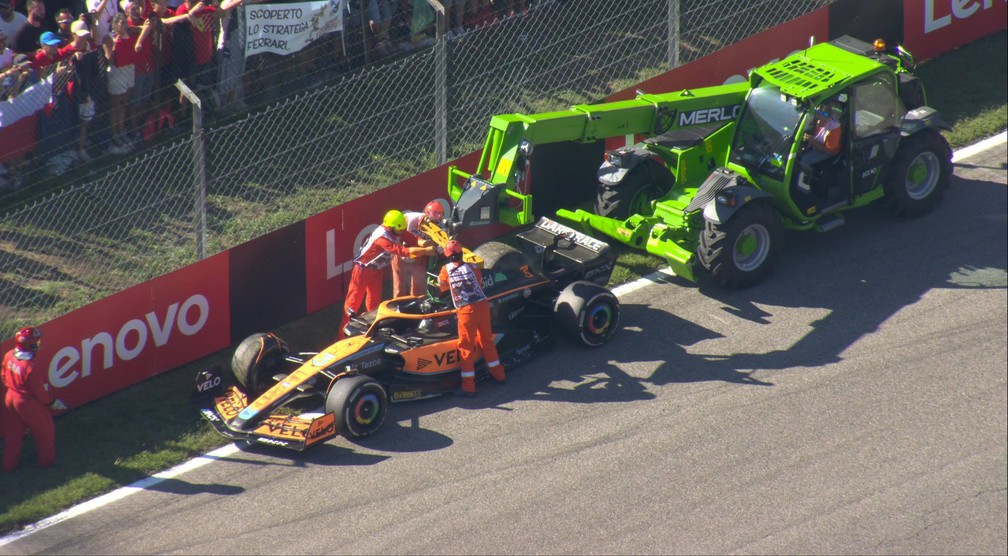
x=199, y=170
x=673, y=34
x=440, y=84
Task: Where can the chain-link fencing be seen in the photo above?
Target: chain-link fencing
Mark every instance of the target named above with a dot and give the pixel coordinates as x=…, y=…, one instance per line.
x=335, y=141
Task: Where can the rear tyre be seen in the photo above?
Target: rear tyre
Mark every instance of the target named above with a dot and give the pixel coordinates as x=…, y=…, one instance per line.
x=360, y=405
x=920, y=173
x=740, y=252
x=587, y=313
x=257, y=360
x=633, y=195
x=500, y=257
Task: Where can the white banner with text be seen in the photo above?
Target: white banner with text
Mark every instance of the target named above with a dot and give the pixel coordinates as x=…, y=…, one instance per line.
x=287, y=28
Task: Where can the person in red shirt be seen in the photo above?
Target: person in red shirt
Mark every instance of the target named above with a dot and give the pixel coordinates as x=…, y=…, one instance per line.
x=464, y=281
x=49, y=53
x=409, y=276
x=387, y=241
x=27, y=402
x=202, y=17
x=122, y=61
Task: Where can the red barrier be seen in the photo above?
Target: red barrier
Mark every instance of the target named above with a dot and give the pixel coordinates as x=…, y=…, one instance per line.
x=137, y=333
x=932, y=27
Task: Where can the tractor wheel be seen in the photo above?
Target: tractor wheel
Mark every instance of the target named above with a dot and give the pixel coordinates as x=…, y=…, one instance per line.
x=257, y=360
x=500, y=257
x=587, y=313
x=741, y=251
x=360, y=405
x=633, y=195
x=919, y=175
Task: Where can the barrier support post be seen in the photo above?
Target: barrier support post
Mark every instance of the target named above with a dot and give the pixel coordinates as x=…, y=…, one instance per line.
x=199, y=169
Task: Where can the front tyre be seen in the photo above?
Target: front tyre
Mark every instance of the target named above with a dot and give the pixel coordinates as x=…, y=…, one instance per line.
x=919, y=175
x=257, y=360
x=740, y=252
x=587, y=313
x=360, y=405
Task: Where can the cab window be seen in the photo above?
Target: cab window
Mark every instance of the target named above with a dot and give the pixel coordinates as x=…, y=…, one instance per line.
x=877, y=107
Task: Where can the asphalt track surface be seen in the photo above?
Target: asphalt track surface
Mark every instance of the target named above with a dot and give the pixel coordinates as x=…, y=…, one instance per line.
x=853, y=403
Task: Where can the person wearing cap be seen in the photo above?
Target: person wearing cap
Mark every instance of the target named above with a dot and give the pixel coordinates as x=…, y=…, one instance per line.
x=409, y=275
x=86, y=78
x=385, y=242
x=63, y=22
x=49, y=53
x=18, y=77
x=28, y=35
x=464, y=282
x=27, y=403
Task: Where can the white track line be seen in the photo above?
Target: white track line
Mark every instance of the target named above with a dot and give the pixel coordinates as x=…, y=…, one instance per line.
x=659, y=276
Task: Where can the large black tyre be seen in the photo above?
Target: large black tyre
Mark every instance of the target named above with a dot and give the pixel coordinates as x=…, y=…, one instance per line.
x=919, y=175
x=257, y=360
x=740, y=252
x=500, y=257
x=644, y=183
x=587, y=313
x=360, y=405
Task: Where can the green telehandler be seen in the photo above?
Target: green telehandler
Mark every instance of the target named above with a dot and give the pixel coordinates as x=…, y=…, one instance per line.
x=714, y=175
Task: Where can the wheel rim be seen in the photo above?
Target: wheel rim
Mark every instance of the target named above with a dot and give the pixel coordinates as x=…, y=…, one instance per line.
x=752, y=247
x=367, y=409
x=922, y=176
x=600, y=318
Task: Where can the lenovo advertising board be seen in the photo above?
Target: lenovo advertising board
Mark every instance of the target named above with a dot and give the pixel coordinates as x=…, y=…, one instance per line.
x=137, y=333
x=936, y=26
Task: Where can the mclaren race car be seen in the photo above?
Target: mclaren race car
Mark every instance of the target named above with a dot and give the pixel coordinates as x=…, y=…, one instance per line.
x=406, y=349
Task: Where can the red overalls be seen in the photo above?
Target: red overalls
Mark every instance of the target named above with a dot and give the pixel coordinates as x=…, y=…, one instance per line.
x=369, y=269
x=26, y=407
x=474, y=332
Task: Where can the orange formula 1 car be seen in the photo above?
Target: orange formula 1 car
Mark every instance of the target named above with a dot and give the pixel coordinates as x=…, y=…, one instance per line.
x=405, y=350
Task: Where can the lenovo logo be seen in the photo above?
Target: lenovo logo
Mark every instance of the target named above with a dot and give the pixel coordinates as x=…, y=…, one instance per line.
x=133, y=337
x=940, y=13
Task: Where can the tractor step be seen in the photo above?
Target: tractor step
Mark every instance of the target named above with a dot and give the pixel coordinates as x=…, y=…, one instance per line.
x=828, y=222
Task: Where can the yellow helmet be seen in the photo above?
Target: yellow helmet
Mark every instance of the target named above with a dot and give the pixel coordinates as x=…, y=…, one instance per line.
x=394, y=220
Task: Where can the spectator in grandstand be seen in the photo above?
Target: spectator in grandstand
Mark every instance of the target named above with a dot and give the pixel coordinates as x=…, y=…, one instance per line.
x=380, y=14
x=199, y=72
x=86, y=78
x=145, y=71
x=155, y=41
x=63, y=22
x=10, y=20
x=100, y=13
x=120, y=49
x=27, y=36
x=231, y=55
x=48, y=54
x=18, y=76
x=6, y=54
